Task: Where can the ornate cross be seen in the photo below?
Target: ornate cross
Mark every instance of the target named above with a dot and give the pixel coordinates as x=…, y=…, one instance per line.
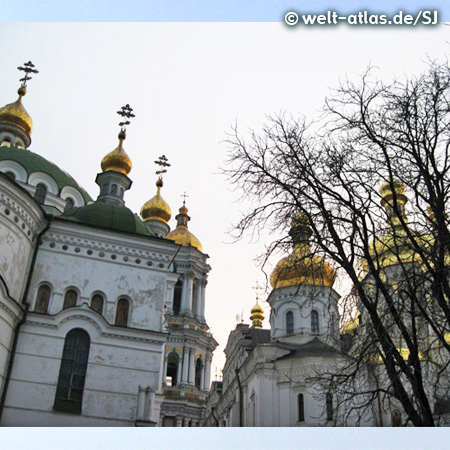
x=162, y=161
x=257, y=288
x=27, y=68
x=127, y=113
x=184, y=198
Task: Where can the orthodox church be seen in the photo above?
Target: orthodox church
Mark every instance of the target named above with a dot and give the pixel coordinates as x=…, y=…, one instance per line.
x=270, y=375
x=102, y=311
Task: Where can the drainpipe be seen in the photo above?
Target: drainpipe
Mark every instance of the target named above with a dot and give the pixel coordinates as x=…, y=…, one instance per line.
x=24, y=317
x=241, y=400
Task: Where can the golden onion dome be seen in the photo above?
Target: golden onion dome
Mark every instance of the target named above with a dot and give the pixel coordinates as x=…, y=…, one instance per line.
x=16, y=114
x=181, y=234
x=117, y=160
x=301, y=266
x=257, y=315
x=156, y=208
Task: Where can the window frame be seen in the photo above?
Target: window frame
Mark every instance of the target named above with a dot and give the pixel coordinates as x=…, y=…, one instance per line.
x=67, y=378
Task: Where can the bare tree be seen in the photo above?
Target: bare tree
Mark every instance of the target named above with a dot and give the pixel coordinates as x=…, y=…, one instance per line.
x=392, y=244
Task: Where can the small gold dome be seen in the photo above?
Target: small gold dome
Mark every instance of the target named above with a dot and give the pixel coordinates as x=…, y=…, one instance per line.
x=156, y=208
x=16, y=114
x=181, y=234
x=301, y=266
x=117, y=160
x=387, y=194
x=257, y=316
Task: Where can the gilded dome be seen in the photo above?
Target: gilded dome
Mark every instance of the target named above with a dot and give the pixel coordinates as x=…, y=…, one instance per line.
x=181, y=234
x=156, y=208
x=301, y=266
x=16, y=114
x=257, y=316
x=117, y=160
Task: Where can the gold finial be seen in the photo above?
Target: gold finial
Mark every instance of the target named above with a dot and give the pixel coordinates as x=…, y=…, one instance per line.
x=394, y=212
x=157, y=208
x=181, y=234
x=15, y=113
x=257, y=312
x=118, y=160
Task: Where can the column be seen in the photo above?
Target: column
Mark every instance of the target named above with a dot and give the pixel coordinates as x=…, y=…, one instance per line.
x=179, y=422
x=150, y=401
x=140, y=404
x=179, y=370
x=202, y=377
x=169, y=297
x=207, y=372
x=164, y=370
x=185, y=365
x=202, y=301
x=191, y=366
x=186, y=300
x=198, y=300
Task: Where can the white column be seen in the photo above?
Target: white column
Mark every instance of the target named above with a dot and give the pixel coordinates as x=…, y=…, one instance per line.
x=186, y=303
x=150, y=401
x=201, y=313
x=169, y=297
x=179, y=369
x=140, y=404
x=191, y=366
x=207, y=373
x=202, y=377
x=198, y=300
x=179, y=422
x=185, y=365
x=164, y=369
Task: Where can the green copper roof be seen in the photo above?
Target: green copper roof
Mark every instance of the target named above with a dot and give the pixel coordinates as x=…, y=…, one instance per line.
x=108, y=216
x=35, y=163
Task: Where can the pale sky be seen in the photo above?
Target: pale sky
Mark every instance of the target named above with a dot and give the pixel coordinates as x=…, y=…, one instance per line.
x=188, y=83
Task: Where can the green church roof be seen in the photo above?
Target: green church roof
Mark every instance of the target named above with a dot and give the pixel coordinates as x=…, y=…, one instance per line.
x=110, y=217
x=32, y=162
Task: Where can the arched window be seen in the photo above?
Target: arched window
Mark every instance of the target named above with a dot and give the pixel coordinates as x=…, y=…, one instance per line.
x=6, y=142
x=329, y=405
x=198, y=373
x=40, y=193
x=97, y=303
x=172, y=368
x=69, y=204
x=11, y=175
x=43, y=299
x=314, y=321
x=122, y=312
x=177, y=297
x=301, y=408
x=113, y=189
x=70, y=299
x=289, y=322
x=69, y=392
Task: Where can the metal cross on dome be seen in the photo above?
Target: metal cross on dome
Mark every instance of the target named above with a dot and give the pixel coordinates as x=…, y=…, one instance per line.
x=28, y=68
x=184, y=197
x=257, y=288
x=127, y=113
x=162, y=161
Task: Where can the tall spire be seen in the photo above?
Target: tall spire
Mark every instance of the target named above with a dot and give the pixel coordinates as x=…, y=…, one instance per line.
x=16, y=125
x=116, y=166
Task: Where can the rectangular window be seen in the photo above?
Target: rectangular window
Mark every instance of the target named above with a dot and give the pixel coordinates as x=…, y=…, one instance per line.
x=301, y=408
x=329, y=402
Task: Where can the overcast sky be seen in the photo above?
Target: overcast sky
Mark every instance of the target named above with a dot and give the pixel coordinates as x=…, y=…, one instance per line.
x=188, y=84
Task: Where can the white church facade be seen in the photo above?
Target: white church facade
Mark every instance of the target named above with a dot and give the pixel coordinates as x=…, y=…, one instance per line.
x=102, y=312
